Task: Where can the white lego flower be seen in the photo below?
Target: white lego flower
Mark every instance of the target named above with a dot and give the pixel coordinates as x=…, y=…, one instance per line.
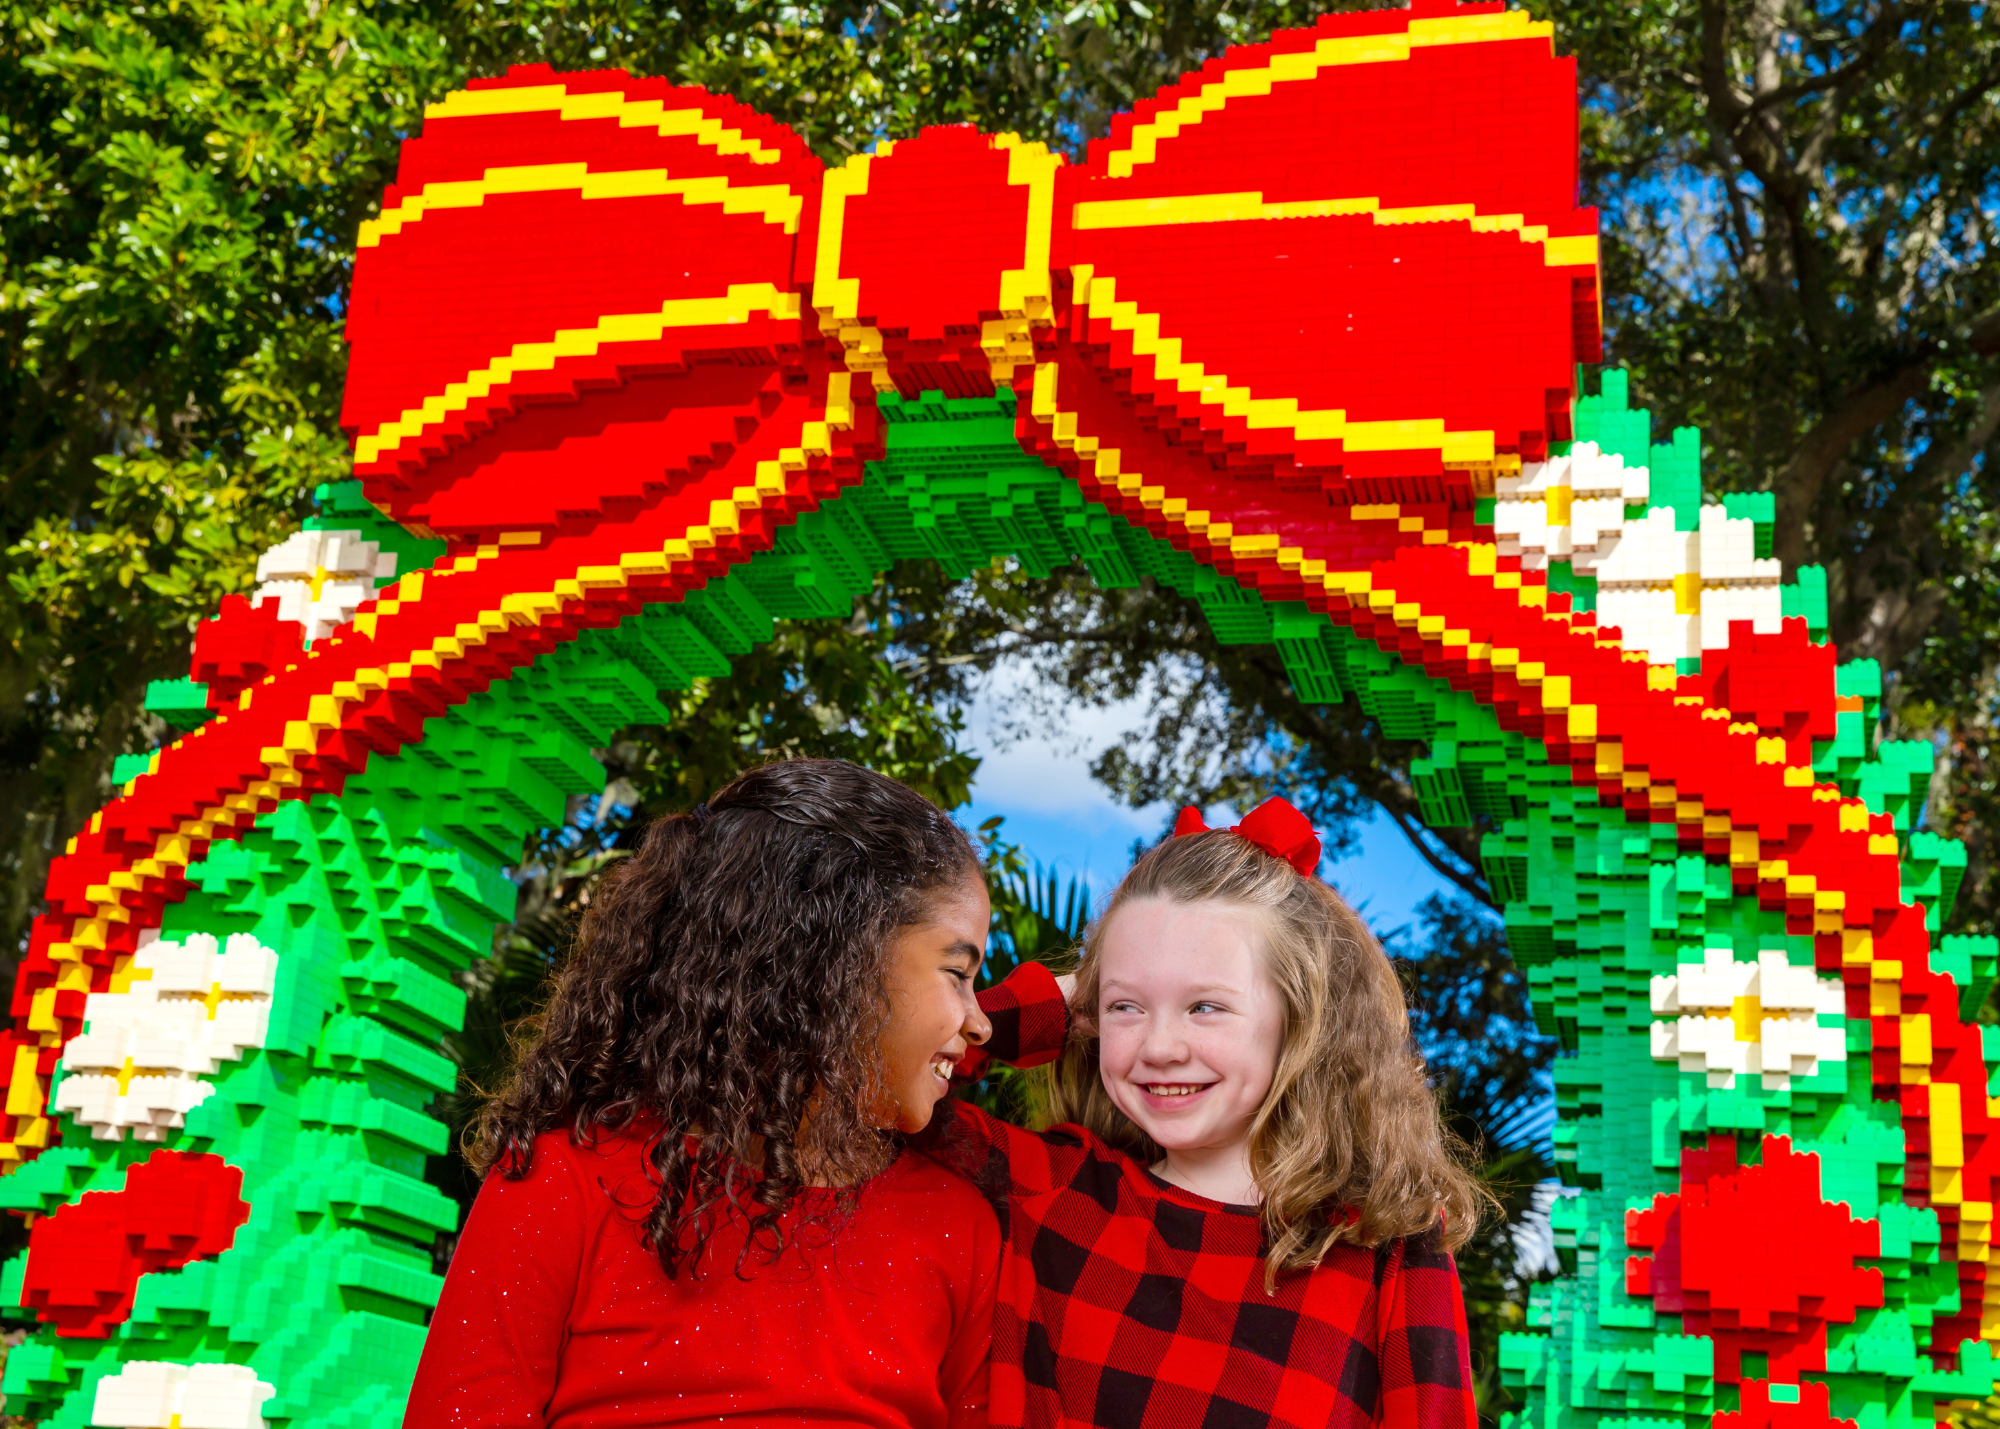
x=1729, y=1019
x=1649, y=586
x=150, y=1394
x=1569, y=506
x=146, y=1047
x=1735, y=585
x=1672, y=594
x=319, y=578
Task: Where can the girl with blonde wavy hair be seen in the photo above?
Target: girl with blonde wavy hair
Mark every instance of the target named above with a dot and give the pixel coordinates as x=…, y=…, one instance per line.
x=1240, y=1205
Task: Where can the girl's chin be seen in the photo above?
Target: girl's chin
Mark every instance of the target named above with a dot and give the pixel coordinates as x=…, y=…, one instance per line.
x=921, y=1102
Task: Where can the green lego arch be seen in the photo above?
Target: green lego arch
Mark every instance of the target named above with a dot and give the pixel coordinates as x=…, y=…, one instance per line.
x=379, y=895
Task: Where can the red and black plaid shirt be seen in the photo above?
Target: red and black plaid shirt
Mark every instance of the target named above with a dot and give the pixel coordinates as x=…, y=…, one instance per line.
x=1129, y=1303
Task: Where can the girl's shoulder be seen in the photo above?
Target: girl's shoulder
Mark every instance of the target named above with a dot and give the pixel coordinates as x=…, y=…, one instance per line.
x=588, y=1157
x=915, y=1210
x=925, y=1192
x=579, y=1181
x=925, y=1173
x=1075, y=1164
x=1421, y=1263
x=1004, y=1160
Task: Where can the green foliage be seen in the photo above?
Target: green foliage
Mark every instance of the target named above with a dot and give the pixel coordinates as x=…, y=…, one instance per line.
x=1037, y=916
x=181, y=185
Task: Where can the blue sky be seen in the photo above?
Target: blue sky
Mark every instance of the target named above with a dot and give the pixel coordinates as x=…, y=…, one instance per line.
x=1058, y=814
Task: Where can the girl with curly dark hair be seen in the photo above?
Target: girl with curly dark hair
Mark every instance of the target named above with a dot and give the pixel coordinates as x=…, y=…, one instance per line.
x=697, y=1202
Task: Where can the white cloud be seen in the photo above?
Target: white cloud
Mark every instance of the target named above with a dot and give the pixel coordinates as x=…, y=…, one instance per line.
x=1048, y=772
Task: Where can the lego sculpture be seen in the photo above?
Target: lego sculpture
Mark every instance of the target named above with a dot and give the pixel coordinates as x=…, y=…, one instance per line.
x=633, y=375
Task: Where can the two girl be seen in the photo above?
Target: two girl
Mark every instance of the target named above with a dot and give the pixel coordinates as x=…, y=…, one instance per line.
x=705, y=1202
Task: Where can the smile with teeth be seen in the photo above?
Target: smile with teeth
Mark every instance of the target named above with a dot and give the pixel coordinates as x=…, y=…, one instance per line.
x=1177, y=1089
x=942, y=1065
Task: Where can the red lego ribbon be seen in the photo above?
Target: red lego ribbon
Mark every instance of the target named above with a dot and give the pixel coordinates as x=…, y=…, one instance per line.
x=1274, y=826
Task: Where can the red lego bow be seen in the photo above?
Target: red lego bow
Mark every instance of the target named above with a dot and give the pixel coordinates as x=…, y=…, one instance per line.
x=586, y=294
x=1274, y=826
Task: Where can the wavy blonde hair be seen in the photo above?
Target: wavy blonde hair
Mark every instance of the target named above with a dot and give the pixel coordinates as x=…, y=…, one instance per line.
x=1348, y=1144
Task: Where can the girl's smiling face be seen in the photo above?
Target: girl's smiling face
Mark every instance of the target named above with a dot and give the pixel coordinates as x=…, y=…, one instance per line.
x=933, y=1017
x=1189, y=1026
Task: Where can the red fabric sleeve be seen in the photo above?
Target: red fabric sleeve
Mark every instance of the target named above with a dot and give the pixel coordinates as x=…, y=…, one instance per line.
x=962, y=1378
x=497, y=1334
x=1030, y=1022
x=1001, y=1158
x=1425, y=1354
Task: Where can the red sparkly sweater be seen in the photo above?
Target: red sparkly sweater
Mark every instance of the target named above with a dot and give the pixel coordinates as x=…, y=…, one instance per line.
x=555, y=1313
x=1129, y=1303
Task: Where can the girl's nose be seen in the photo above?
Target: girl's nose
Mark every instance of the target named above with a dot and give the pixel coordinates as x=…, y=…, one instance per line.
x=977, y=1027
x=1164, y=1044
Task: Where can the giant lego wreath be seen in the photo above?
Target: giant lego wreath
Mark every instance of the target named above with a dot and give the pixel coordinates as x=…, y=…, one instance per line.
x=633, y=376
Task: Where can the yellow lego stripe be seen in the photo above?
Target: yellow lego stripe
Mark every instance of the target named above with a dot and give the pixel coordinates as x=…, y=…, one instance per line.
x=1214, y=389
x=26, y=1096
x=1107, y=466
x=1250, y=206
x=1947, y=1127
x=836, y=299
x=742, y=300
x=630, y=114
x=1027, y=290
x=774, y=203
x=1142, y=145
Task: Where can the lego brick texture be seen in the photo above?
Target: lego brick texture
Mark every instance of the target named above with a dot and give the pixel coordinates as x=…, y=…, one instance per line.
x=373, y=898
x=1300, y=339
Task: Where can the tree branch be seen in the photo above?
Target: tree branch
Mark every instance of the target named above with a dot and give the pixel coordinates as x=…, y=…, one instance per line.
x=1843, y=83
x=1465, y=879
x=1722, y=96
x=1874, y=45
x=1982, y=334
x=1857, y=412
x=1953, y=461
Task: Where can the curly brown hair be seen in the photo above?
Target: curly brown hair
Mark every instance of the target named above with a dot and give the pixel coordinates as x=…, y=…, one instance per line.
x=727, y=993
x=1348, y=1144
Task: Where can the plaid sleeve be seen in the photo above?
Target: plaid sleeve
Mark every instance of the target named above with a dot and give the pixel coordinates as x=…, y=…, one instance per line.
x=1426, y=1365
x=1002, y=1159
x=1030, y=1022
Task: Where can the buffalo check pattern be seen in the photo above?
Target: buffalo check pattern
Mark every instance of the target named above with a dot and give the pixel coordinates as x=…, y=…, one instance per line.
x=1128, y=1303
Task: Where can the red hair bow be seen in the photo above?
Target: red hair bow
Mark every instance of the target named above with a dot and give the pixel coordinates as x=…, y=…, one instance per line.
x=1274, y=826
